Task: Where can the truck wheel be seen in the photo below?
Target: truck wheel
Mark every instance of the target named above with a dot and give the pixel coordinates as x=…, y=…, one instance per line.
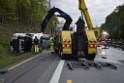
x=55, y=50
x=62, y=56
x=90, y=56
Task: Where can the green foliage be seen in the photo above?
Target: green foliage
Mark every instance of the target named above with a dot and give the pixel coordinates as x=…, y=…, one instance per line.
x=7, y=10
x=115, y=23
x=19, y=16
x=7, y=59
x=22, y=10
x=121, y=33
x=37, y=11
x=52, y=24
x=28, y=12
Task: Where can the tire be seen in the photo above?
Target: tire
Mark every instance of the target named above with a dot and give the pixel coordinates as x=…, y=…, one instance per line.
x=55, y=50
x=88, y=56
x=62, y=56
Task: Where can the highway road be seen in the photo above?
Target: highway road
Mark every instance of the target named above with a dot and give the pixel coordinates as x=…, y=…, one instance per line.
x=49, y=68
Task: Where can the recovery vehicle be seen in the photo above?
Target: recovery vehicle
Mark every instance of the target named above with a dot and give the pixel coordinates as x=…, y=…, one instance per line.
x=91, y=45
x=82, y=43
x=61, y=35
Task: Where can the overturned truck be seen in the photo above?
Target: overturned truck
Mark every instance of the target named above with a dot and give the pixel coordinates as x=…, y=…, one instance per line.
x=21, y=43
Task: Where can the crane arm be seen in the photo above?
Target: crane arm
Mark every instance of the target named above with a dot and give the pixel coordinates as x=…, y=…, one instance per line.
x=62, y=14
x=84, y=10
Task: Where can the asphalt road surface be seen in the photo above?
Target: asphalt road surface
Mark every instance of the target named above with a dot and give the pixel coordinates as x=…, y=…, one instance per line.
x=49, y=68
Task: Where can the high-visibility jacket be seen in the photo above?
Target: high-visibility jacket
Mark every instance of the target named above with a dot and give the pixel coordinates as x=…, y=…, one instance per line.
x=51, y=44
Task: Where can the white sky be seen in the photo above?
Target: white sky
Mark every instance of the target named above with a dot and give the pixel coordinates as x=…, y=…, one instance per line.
x=98, y=9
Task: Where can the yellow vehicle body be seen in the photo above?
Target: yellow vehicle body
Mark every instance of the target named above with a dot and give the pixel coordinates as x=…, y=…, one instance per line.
x=90, y=32
x=97, y=32
x=91, y=41
x=66, y=42
x=84, y=9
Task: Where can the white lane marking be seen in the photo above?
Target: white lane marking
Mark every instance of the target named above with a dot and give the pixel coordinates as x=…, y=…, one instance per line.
x=57, y=73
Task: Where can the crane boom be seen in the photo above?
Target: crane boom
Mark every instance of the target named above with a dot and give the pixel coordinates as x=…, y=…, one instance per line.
x=84, y=10
x=62, y=14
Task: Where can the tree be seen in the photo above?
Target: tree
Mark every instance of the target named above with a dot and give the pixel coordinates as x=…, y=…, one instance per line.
x=7, y=11
x=115, y=22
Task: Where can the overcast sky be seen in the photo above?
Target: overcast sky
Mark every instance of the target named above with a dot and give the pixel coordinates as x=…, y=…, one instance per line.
x=98, y=9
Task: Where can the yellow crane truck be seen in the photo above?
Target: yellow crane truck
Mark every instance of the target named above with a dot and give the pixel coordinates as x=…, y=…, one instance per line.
x=61, y=35
x=82, y=43
x=84, y=10
x=91, y=37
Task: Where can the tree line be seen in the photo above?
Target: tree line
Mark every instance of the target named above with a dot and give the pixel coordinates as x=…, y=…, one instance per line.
x=114, y=23
x=23, y=12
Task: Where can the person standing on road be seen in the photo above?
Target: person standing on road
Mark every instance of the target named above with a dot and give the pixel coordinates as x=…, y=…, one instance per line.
x=51, y=45
x=36, y=44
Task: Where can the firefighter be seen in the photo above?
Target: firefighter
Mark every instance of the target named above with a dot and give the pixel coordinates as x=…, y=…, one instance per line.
x=36, y=44
x=51, y=44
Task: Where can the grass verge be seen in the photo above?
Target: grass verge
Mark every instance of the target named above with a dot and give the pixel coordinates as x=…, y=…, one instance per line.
x=7, y=57
x=11, y=58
